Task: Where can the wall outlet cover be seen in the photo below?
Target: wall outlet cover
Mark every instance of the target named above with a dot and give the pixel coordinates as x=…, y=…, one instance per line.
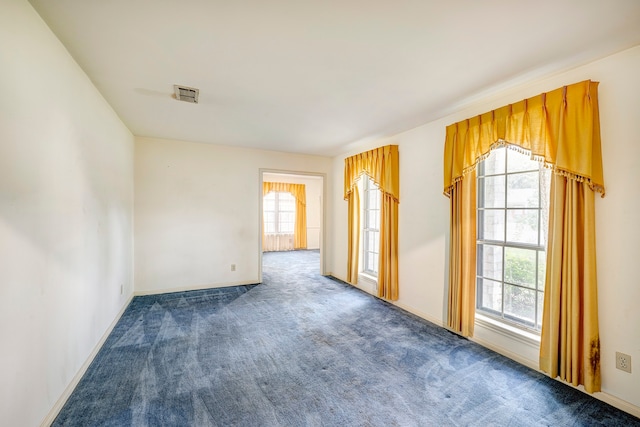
x=623, y=362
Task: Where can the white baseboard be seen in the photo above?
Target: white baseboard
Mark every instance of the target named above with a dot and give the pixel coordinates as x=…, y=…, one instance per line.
x=616, y=402
x=192, y=288
x=603, y=396
x=425, y=316
x=55, y=410
x=612, y=400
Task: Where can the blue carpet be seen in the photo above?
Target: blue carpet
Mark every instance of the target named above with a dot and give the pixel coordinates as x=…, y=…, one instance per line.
x=304, y=350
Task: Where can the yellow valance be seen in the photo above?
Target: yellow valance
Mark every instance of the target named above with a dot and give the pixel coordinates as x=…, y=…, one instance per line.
x=297, y=190
x=381, y=164
x=561, y=128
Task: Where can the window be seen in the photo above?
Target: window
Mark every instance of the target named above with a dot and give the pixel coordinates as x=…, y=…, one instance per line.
x=513, y=193
x=370, y=226
x=279, y=209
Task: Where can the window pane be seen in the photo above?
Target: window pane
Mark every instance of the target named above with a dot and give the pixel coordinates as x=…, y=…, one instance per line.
x=370, y=225
x=522, y=226
x=540, y=309
x=286, y=205
x=373, y=241
x=545, y=186
x=374, y=198
x=373, y=220
x=520, y=266
x=269, y=217
x=287, y=217
x=522, y=190
x=492, y=225
x=491, y=294
x=269, y=222
x=518, y=162
x=513, y=200
x=542, y=269
x=370, y=264
x=490, y=261
x=520, y=303
x=269, y=203
x=494, y=164
x=491, y=192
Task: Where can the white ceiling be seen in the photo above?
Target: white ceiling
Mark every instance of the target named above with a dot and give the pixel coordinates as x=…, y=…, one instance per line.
x=314, y=76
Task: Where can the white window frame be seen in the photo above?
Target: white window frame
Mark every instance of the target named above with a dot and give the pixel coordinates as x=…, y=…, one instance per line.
x=277, y=211
x=369, y=188
x=484, y=314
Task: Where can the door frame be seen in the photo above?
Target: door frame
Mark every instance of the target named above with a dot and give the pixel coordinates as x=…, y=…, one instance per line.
x=323, y=212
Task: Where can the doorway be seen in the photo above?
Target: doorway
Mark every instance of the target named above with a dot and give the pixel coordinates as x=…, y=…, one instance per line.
x=314, y=184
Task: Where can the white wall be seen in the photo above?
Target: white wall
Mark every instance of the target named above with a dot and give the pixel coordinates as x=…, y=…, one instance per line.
x=197, y=212
x=66, y=199
x=424, y=223
x=313, y=188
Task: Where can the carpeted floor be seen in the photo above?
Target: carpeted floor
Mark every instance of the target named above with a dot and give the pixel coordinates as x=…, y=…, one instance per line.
x=304, y=350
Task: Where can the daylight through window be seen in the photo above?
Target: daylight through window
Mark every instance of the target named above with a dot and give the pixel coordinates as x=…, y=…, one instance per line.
x=279, y=209
x=371, y=226
x=513, y=193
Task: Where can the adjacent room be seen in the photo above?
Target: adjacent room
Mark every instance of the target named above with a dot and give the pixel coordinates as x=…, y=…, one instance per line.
x=319, y=213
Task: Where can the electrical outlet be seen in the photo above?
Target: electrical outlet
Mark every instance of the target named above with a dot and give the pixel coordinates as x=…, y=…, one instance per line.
x=233, y=267
x=623, y=362
x=121, y=289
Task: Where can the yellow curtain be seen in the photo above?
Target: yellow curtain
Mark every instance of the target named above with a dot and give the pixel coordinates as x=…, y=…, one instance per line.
x=388, y=258
x=462, y=264
x=382, y=165
x=299, y=192
x=562, y=129
x=354, y=236
x=570, y=343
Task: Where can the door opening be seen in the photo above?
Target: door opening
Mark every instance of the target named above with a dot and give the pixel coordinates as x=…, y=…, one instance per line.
x=282, y=192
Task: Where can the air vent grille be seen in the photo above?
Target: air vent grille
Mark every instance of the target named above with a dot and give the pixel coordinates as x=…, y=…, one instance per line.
x=186, y=94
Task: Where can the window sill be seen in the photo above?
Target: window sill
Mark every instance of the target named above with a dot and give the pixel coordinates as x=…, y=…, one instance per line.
x=517, y=334
x=368, y=282
x=368, y=278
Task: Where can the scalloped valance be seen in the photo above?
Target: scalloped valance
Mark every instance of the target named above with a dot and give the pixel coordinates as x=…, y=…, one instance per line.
x=381, y=164
x=297, y=190
x=561, y=128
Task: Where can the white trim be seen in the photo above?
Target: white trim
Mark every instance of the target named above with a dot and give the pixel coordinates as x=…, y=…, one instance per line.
x=423, y=315
x=603, y=396
x=616, y=402
x=511, y=332
x=57, y=407
x=368, y=283
x=507, y=353
x=323, y=206
x=193, y=288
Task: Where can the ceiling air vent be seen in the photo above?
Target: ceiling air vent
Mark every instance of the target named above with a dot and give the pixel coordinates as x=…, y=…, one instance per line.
x=187, y=94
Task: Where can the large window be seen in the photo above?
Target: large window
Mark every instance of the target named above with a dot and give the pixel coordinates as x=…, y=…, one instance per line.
x=279, y=209
x=513, y=193
x=370, y=226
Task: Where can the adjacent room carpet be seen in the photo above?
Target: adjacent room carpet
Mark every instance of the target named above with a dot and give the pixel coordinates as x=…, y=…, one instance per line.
x=305, y=350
